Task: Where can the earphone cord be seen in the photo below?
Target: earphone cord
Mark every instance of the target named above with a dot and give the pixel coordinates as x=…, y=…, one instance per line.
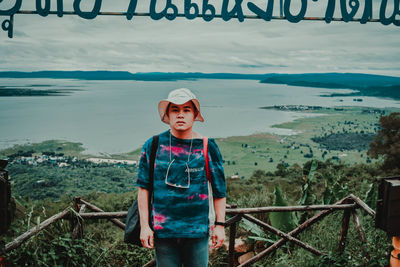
x=170, y=148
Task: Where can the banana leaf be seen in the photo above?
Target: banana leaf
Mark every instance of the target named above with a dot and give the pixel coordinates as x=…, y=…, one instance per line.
x=284, y=221
x=308, y=197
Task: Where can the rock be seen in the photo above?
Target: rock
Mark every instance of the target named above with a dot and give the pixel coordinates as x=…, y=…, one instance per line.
x=246, y=257
x=240, y=245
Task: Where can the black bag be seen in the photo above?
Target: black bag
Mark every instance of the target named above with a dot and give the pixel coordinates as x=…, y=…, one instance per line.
x=132, y=226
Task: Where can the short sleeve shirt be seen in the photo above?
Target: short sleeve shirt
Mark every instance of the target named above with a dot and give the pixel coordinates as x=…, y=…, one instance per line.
x=179, y=211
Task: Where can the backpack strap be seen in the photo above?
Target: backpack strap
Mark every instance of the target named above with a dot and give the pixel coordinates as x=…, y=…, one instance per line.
x=205, y=151
x=154, y=147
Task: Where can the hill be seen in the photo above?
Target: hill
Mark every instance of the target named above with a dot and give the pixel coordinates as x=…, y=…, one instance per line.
x=365, y=84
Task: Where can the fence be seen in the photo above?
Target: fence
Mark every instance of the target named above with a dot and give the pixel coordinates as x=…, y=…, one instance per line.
x=349, y=205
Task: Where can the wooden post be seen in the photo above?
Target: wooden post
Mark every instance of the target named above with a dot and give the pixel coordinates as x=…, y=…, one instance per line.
x=344, y=230
x=361, y=234
x=74, y=220
x=232, y=236
x=77, y=202
x=78, y=228
x=363, y=205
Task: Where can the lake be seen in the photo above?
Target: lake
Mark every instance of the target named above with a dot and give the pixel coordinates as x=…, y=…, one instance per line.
x=118, y=116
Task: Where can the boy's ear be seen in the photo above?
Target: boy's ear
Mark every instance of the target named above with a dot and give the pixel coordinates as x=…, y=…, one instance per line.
x=167, y=109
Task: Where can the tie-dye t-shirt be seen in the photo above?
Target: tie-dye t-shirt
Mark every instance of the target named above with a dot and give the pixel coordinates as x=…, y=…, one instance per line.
x=181, y=212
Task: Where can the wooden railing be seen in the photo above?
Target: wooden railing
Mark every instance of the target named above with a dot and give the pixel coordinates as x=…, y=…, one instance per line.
x=349, y=205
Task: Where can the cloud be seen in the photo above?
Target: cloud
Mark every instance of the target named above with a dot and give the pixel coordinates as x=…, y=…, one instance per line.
x=144, y=45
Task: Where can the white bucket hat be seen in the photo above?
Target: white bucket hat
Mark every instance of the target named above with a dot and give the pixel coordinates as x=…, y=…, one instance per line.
x=178, y=96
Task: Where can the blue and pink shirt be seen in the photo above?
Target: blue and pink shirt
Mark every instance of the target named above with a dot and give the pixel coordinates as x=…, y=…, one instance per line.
x=181, y=212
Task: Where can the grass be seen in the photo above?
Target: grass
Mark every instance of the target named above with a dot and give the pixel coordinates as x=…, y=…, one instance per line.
x=58, y=146
x=292, y=148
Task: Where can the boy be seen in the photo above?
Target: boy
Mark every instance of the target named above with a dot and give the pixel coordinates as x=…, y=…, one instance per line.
x=182, y=197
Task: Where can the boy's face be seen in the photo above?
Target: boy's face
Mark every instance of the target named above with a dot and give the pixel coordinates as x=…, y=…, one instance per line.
x=181, y=117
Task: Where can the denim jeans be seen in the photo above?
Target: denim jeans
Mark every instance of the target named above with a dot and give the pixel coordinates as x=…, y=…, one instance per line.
x=178, y=252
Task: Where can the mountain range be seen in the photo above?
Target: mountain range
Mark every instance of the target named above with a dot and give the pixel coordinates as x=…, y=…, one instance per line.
x=364, y=84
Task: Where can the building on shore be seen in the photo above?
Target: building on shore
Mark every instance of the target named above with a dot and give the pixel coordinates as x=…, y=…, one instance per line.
x=112, y=161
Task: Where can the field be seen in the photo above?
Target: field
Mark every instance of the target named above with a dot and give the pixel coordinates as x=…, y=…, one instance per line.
x=245, y=154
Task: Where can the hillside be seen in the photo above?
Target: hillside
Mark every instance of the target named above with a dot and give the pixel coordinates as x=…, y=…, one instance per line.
x=365, y=84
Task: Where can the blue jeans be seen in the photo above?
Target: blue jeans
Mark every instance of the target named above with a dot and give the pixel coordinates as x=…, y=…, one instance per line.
x=178, y=252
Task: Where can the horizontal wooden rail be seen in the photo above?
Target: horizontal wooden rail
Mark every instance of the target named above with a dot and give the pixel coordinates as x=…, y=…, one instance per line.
x=104, y=215
x=97, y=209
x=234, y=219
x=282, y=234
x=122, y=214
x=34, y=230
x=290, y=208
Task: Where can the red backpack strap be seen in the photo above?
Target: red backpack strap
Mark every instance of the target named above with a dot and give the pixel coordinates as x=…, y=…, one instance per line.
x=205, y=151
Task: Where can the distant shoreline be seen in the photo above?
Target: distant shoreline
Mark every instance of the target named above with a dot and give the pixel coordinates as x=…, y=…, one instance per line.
x=364, y=84
x=6, y=91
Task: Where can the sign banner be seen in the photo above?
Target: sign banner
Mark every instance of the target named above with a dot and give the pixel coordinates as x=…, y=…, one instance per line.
x=207, y=11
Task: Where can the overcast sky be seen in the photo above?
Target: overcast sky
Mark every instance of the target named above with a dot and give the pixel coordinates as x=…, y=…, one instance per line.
x=182, y=45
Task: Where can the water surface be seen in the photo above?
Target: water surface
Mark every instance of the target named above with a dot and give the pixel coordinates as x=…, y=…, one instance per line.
x=118, y=116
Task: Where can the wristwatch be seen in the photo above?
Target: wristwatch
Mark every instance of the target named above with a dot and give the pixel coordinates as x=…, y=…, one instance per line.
x=220, y=223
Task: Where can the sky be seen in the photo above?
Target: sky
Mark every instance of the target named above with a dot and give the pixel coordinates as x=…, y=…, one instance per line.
x=144, y=45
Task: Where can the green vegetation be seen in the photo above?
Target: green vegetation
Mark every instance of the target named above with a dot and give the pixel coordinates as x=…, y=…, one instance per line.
x=281, y=220
x=56, y=146
x=54, y=168
x=387, y=142
x=102, y=243
x=345, y=141
x=47, y=180
x=329, y=176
